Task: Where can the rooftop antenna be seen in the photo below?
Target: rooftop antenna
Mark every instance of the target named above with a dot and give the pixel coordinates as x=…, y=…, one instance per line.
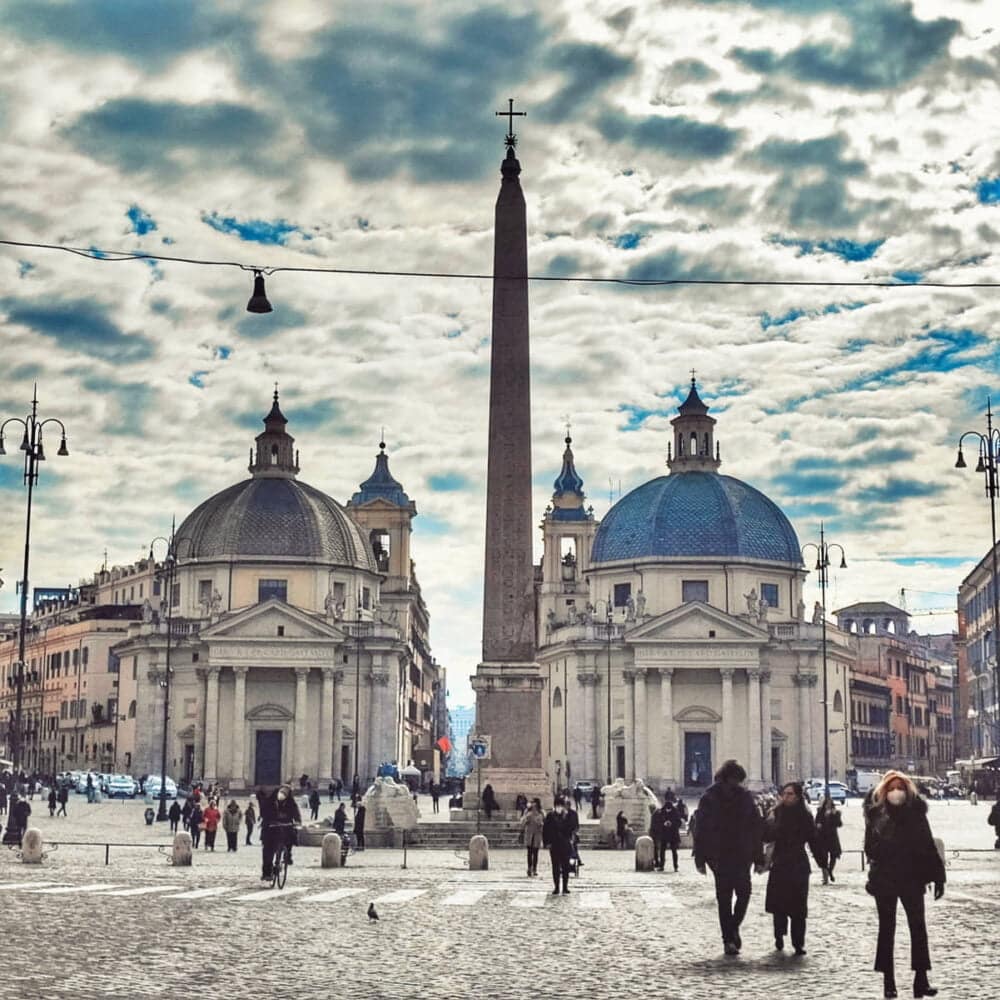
x=104, y=565
x=902, y=598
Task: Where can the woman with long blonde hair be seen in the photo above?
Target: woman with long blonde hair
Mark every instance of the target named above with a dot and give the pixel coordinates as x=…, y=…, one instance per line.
x=903, y=860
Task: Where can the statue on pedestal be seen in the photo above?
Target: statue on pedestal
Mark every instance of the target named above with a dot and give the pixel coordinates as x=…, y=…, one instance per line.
x=751, y=600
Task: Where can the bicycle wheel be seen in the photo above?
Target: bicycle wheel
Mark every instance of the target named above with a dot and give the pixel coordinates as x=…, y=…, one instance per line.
x=281, y=870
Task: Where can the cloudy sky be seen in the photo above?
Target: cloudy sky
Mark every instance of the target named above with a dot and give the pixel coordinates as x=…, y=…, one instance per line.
x=776, y=139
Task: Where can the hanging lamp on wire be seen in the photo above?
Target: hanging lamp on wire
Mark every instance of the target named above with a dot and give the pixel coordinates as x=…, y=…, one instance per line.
x=258, y=301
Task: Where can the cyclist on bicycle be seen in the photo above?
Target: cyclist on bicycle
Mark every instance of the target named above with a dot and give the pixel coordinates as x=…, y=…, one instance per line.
x=278, y=812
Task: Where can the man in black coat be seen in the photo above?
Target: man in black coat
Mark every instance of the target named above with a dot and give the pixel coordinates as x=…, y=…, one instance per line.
x=658, y=831
x=277, y=810
x=728, y=840
x=557, y=835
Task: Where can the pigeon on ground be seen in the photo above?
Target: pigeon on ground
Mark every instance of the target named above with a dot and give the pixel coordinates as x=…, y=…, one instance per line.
x=372, y=915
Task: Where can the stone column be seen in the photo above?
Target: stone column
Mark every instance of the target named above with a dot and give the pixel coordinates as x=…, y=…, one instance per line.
x=667, y=721
x=805, y=727
x=726, y=748
x=588, y=742
x=641, y=727
x=326, y=728
x=211, y=725
x=301, y=699
x=628, y=678
x=238, y=778
x=199, y=727
x=753, y=679
x=380, y=685
x=593, y=744
x=765, y=728
x=337, y=738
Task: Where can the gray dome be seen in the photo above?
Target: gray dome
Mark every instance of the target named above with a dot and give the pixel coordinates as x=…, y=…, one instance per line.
x=277, y=517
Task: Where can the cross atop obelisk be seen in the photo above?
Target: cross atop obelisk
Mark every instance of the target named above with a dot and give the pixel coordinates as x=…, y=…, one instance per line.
x=510, y=114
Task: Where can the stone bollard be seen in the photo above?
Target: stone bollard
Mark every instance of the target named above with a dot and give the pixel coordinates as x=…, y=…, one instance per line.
x=182, y=849
x=31, y=847
x=330, y=853
x=479, y=853
x=644, y=853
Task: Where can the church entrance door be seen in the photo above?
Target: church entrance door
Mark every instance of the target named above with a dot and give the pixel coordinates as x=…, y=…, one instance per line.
x=267, y=761
x=697, y=759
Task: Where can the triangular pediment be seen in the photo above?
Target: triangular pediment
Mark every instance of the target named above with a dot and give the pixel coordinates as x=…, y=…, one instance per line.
x=262, y=621
x=694, y=622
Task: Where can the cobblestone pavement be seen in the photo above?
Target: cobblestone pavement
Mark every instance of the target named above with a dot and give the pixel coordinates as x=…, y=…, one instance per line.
x=140, y=928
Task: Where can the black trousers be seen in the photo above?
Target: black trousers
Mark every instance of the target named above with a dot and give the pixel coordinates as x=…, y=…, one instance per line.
x=249, y=831
x=231, y=840
x=730, y=883
x=560, y=867
x=532, y=860
x=659, y=851
x=913, y=904
x=798, y=929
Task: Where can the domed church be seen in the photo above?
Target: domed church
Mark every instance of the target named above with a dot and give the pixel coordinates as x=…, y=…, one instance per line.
x=298, y=636
x=671, y=633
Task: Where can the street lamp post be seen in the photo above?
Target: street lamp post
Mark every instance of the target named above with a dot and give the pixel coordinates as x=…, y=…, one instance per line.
x=823, y=566
x=359, y=627
x=34, y=452
x=608, y=627
x=988, y=464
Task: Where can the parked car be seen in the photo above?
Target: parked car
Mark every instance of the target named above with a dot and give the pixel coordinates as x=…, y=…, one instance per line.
x=121, y=786
x=585, y=788
x=153, y=787
x=815, y=791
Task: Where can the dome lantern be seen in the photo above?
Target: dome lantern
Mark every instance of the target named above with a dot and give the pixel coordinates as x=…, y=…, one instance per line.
x=694, y=448
x=276, y=457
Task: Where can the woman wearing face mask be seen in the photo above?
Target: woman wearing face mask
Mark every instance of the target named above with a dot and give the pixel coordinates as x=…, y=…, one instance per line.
x=903, y=861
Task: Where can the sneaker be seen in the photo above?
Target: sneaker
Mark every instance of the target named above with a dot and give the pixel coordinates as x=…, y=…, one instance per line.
x=779, y=944
x=729, y=947
x=737, y=940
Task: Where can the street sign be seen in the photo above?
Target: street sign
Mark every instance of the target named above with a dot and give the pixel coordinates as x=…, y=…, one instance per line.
x=480, y=747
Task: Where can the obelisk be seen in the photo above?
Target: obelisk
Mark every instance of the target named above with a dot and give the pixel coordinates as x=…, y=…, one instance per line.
x=508, y=683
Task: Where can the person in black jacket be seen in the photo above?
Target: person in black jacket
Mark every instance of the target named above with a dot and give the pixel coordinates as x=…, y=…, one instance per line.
x=903, y=861
x=828, y=821
x=174, y=815
x=727, y=840
x=340, y=821
x=790, y=828
x=557, y=835
x=658, y=831
x=278, y=811
x=314, y=804
x=674, y=815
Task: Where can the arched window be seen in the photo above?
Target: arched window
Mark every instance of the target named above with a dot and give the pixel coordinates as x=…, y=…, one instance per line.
x=131, y=709
x=838, y=702
x=694, y=445
x=557, y=698
x=274, y=454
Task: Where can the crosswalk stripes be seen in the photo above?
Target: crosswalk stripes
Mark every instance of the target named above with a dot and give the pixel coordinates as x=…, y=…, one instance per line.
x=598, y=899
x=24, y=885
x=142, y=890
x=332, y=896
x=464, y=897
x=266, y=895
x=660, y=899
x=202, y=893
x=529, y=899
x=400, y=896
x=70, y=889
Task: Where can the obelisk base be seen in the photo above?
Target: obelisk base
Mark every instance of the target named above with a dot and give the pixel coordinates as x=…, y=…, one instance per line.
x=509, y=709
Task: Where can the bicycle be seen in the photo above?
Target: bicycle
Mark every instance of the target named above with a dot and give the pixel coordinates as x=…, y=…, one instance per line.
x=279, y=863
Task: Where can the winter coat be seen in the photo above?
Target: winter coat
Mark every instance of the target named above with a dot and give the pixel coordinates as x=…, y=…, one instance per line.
x=175, y=813
x=672, y=820
x=232, y=818
x=658, y=825
x=531, y=828
x=558, y=831
x=210, y=818
x=727, y=835
x=359, y=820
x=900, y=848
x=339, y=820
x=827, y=824
x=790, y=829
x=19, y=814
x=313, y=799
x=63, y=795
x=195, y=817
x=250, y=816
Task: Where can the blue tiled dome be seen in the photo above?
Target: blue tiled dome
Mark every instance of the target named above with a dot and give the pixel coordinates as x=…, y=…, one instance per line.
x=697, y=514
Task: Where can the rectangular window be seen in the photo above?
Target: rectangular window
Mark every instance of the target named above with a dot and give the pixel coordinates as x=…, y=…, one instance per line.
x=266, y=589
x=175, y=595
x=131, y=593
x=140, y=591
x=769, y=593
x=623, y=591
x=204, y=591
x=135, y=667
x=694, y=590
x=86, y=657
x=339, y=592
x=156, y=588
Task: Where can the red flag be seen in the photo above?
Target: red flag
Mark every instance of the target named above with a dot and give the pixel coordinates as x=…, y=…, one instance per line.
x=444, y=744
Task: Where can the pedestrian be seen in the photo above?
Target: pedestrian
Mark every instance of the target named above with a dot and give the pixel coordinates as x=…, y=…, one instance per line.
x=90, y=788
x=189, y=804
x=658, y=832
x=211, y=818
x=727, y=840
x=52, y=803
x=194, y=823
x=3, y=800
x=359, y=827
x=314, y=804
x=577, y=796
x=621, y=829
x=674, y=814
x=828, y=821
x=557, y=836
x=20, y=810
x=174, y=815
x=531, y=834
x=331, y=790
x=994, y=820
x=63, y=799
x=340, y=821
x=435, y=797
x=278, y=813
x=339, y=786
x=250, y=818
x=232, y=819
x=790, y=828
x=903, y=860
x=521, y=803
x=490, y=804
x=595, y=800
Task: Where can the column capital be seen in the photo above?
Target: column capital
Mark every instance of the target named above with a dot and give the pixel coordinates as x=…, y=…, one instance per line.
x=804, y=680
x=338, y=678
x=666, y=673
x=726, y=673
x=241, y=671
x=382, y=680
x=301, y=673
x=588, y=679
x=212, y=673
x=765, y=677
x=753, y=674
x=629, y=676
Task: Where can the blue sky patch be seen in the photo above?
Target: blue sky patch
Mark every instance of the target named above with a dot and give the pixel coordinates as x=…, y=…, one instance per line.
x=222, y=352
x=637, y=415
x=427, y=524
x=269, y=232
x=197, y=379
x=908, y=277
x=767, y=320
x=24, y=267
x=628, y=241
x=806, y=482
x=142, y=222
x=848, y=250
x=447, y=482
x=988, y=190
x=894, y=489
x=947, y=562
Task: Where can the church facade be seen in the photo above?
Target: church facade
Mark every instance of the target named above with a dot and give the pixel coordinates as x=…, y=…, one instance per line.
x=672, y=635
x=295, y=632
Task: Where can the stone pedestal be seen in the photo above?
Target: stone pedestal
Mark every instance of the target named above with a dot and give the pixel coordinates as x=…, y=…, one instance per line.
x=644, y=853
x=390, y=804
x=330, y=851
x=31, y=847
x=479, y=853
x=634, y=799
x=182, y=850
